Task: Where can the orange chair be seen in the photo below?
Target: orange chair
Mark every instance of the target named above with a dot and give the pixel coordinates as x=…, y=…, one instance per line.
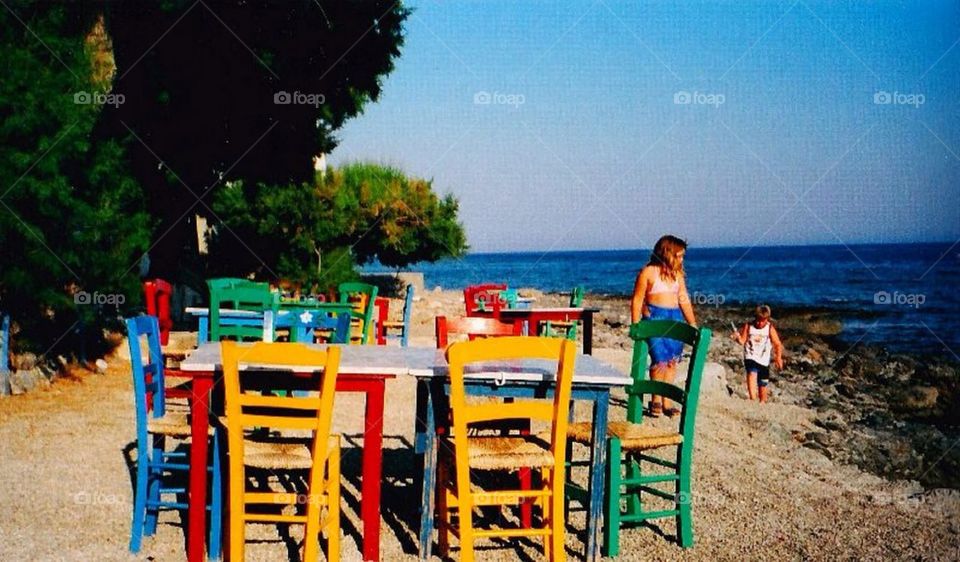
x=318, y=455
x=544, y=452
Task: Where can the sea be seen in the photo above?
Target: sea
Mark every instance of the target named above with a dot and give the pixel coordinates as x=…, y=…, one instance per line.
x=904, y=297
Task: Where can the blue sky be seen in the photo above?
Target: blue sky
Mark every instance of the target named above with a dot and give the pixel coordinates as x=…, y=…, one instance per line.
x=603, y=124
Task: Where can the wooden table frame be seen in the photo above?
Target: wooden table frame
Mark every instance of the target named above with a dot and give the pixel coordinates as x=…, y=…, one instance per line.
x=373, y=387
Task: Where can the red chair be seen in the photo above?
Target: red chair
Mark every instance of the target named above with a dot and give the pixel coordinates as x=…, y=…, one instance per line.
x=483, y=297
x=157, y=294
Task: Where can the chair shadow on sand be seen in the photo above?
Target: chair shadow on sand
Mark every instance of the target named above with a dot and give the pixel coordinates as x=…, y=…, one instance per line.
x=400, y=500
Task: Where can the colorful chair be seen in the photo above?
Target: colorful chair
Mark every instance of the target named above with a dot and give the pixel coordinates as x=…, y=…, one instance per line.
x=363, y=296
x=565, y=329
x=157, y=293
x=403, y=326
x=545, y=452
x=250, y=296
x=308, y=322
x=4, y=342
x=630, y=442
x=483, y=298
x=154, y=463
x=318, y=456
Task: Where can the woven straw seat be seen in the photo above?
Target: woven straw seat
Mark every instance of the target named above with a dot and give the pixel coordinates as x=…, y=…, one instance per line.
x=393, y=324
x=634, y=437
x=173, y=423
x=505, y=453
x=289, y=456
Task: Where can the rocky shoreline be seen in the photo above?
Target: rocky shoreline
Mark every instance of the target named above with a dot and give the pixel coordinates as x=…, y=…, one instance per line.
x=891, y=414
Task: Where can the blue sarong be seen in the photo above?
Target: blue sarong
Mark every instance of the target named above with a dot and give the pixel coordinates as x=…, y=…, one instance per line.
x=664, y=350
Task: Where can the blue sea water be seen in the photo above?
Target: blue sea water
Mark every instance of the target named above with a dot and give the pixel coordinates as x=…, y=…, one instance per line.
x=905, y=297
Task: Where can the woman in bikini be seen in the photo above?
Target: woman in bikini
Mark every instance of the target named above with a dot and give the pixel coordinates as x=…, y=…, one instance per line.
x=660, y=293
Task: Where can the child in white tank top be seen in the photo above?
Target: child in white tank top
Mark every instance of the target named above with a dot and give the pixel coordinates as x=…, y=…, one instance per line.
x=758, y=339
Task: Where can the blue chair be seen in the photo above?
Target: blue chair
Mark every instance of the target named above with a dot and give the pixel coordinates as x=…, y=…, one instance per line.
x=154, y=462
x=306, y=321
x=4, y=343
x=403, y=326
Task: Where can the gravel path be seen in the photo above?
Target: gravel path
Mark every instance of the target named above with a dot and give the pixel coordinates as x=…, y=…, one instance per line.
x=758, y=494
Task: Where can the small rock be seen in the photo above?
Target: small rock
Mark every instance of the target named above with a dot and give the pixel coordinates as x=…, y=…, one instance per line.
x=24, y=361
x=831, y=420
x=101, y=366
x=922, y=398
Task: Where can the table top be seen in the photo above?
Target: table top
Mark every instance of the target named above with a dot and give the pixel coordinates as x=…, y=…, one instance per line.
x=428, y=362
x=283, y=311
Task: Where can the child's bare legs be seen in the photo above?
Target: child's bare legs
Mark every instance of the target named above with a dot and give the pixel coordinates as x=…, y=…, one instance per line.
x=752, y=385
x=763, y=393
x=664, y=372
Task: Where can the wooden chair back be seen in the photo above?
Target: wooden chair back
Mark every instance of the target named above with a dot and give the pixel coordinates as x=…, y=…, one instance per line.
x=472, y=327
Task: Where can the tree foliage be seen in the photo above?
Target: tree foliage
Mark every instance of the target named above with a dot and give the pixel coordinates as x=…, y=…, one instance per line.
x=313, y=233
x=71, y=215
x=203, y=99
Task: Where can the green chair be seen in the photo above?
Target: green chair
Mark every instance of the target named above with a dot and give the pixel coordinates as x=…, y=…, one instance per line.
x=363, y=295
x=565, y=329
x=632, y=470
x=249, y=296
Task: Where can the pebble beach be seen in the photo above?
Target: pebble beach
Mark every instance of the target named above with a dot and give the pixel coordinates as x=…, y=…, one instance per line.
x=761, y=490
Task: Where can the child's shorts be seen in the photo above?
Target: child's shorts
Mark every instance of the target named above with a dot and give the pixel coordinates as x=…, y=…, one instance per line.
x=762, y=371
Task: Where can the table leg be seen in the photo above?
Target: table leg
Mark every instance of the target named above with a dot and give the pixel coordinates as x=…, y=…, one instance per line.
x=598, y=453
x=197, y=512
x=372, y=470
x=587, y=333
x=427, y=492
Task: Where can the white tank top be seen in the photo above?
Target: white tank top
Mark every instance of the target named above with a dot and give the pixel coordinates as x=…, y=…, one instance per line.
x=758, y=344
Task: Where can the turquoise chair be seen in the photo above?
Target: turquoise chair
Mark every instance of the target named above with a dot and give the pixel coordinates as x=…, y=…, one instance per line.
x=367, y=294
x=565, y=329
x=633, y=470
x=404, y=325
x=155, y=464
x=249, y=296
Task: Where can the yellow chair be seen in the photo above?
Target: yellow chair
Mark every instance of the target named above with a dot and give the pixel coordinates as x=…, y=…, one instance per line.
x=319, y=454
x=544, y=452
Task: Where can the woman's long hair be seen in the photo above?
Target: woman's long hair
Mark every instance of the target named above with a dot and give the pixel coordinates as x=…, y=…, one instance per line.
x=665, y=254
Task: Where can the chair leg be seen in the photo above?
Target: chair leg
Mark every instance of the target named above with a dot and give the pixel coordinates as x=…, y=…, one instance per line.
x=237, y=535
x=611, y=523
x=442, y=513
x=216, y=502
x=333, y=506
x=311, y=535
x=153, y=488
x=557, y=521
x=684, y=499
x=139, y=497
x=634, y=501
